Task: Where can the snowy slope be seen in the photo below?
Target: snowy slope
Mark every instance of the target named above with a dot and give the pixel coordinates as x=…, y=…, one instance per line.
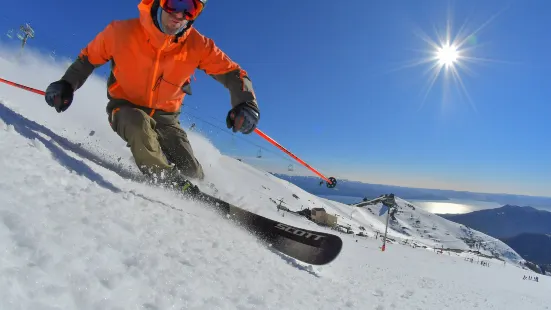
x=78, y=235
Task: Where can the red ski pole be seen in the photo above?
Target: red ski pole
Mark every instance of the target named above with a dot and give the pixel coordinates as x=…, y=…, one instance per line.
x=34, y=90
x=331, y=181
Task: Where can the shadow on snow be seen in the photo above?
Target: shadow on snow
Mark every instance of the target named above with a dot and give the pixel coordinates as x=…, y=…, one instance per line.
x=58, y=146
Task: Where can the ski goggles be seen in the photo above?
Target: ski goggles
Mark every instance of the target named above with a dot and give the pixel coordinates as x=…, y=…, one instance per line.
x=190, y=8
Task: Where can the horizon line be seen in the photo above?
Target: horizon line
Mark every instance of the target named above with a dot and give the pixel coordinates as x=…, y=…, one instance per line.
x=420, y=188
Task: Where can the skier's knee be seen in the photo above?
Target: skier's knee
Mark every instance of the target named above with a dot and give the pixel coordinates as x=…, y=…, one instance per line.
x=135, y=124
x=139, y=121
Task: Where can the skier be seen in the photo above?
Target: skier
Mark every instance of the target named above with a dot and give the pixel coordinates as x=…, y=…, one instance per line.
x=152, y=59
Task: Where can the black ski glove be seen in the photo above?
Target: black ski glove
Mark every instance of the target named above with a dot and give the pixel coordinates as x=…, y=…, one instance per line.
x=59, y=95
x=243, y=118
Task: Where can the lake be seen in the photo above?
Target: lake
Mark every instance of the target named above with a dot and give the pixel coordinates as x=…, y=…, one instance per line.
x=453, y=206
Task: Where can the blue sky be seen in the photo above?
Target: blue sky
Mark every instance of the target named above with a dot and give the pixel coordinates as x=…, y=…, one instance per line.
x=332, y=85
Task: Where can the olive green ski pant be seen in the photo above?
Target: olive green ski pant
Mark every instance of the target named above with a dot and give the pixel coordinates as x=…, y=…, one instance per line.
x=156, y=141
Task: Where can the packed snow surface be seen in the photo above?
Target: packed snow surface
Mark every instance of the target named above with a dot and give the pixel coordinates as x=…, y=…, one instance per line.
x=76, y=233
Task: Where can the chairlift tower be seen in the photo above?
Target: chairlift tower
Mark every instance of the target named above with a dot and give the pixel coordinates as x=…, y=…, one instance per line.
x=25, y=32
x=388, y=201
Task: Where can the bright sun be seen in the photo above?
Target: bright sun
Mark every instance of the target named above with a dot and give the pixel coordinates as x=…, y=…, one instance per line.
x=447, y=55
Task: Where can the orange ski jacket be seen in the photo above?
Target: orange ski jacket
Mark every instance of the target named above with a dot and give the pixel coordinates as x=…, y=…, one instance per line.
x=153, y=70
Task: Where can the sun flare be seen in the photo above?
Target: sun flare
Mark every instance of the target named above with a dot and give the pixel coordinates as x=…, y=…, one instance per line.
x=447, y=55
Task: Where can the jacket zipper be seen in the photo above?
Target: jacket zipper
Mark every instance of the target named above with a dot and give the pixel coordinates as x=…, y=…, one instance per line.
x=157, y=82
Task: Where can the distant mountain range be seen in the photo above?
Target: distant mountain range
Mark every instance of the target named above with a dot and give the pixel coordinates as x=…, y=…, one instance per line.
x=526, y=230
x=533, y=247
x=359, y=189
x=505, y=222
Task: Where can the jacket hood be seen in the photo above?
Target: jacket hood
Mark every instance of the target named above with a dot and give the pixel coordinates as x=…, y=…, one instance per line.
x=156, y=37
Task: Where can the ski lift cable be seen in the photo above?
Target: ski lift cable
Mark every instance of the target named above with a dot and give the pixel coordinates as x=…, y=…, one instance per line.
x=239, y=137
